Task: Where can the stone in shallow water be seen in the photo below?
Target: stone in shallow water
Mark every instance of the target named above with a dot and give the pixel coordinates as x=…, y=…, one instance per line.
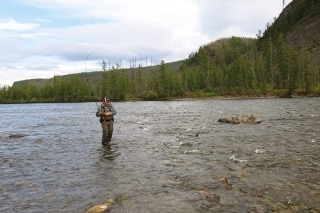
x=246, y=118
x=213, y=198
x=100, y=208
x=17, y=136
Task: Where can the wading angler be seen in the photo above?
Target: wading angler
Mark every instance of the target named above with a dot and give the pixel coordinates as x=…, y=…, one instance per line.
x=106, y=111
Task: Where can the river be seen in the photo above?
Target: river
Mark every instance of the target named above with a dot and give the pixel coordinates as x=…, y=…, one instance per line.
x=165, y=156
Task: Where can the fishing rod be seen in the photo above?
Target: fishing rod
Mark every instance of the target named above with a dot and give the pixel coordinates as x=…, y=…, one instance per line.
x=85, y=70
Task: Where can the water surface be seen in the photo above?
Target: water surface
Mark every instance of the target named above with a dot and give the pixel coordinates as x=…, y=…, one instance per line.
x=164, y=157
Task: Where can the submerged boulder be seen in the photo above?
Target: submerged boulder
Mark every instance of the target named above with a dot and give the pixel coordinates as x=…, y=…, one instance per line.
x=17, y=136
x=100, y=208
x=213, y=198
x=246, y=118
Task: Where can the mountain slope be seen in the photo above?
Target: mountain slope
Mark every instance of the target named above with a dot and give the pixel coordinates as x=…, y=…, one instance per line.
x=299, y=22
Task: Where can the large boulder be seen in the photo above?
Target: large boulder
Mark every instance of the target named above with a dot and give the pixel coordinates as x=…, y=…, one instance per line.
x=246, y=118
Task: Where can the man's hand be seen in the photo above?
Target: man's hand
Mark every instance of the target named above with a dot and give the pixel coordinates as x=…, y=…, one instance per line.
x=107, y=113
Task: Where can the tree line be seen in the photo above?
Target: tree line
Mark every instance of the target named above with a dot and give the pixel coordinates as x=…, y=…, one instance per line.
x=236, y=68
x=72, y=89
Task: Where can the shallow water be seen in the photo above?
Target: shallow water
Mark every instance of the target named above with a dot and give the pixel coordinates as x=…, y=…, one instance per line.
x=164, y=157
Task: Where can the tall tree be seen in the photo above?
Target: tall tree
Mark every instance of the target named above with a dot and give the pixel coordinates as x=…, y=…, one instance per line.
x=307, y=71
x=293, y=71
x=283, y=62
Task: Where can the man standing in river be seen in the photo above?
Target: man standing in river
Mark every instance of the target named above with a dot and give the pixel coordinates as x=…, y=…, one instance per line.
x=106, y=111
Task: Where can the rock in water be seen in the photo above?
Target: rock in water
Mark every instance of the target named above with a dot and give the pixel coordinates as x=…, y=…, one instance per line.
x=17, y=136
x=246, y=118
x=215, y=199
x=100, y=208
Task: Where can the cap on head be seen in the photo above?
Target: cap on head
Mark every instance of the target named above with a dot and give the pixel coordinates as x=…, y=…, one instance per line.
x=106, y=99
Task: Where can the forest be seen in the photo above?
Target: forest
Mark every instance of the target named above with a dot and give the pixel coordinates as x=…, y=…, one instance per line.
x=239, y=67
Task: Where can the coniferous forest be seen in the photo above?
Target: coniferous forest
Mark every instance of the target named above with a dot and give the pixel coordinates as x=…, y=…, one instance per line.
x=268, y=65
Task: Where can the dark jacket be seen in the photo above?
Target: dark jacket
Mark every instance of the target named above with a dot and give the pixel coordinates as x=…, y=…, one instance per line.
x=102, y=109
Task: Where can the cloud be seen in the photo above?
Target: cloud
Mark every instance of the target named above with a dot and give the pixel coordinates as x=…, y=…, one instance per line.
x=58, y=35
x=11, y=24
x=113, y=40
x=237, y=17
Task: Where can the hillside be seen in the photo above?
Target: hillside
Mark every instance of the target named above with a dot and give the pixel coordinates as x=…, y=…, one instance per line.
x=95, y=77
x=299, y=23
x=306, y=34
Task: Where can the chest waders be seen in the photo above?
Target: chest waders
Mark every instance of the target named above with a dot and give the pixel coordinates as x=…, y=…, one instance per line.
x=107, y=125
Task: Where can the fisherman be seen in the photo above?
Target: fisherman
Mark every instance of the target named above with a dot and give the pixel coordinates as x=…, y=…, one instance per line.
x=106, y=112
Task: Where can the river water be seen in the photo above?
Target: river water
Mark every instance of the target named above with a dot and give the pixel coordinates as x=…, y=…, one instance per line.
x=169, y=156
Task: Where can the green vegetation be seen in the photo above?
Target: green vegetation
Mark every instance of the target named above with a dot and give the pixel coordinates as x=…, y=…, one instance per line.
x=73, y=89
x=264, y=66
x=297, y=12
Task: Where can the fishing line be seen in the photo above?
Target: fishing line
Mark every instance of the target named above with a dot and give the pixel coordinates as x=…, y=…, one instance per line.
x=85, y=70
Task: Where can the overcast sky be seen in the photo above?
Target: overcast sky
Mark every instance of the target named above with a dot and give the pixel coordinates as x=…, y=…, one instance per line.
x=40, y=39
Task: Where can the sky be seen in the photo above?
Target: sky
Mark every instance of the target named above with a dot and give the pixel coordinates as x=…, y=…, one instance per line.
x=41, y=39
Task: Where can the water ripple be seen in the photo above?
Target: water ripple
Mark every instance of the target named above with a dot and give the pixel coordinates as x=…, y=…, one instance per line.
x=164, y=157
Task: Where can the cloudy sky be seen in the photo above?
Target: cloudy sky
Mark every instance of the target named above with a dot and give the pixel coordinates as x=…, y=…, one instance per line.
x=40, y=39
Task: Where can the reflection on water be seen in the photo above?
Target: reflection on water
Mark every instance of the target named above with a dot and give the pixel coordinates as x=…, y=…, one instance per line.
x=163, y=157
